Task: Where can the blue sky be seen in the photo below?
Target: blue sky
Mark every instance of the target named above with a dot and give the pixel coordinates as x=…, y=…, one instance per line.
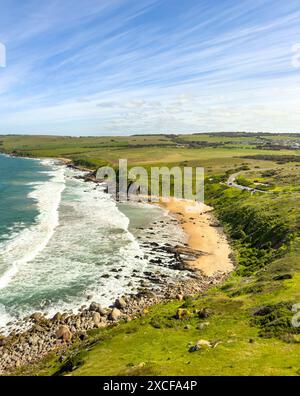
x=152, y=66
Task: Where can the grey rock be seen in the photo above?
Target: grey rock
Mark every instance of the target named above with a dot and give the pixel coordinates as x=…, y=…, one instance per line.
x=115, y=314
x=120, y=303
x=64, y=333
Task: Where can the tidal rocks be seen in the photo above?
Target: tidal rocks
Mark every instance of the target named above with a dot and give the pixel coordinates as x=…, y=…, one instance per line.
x=27, y=347
x=115, y=314
x=38, y=328
x=57, y=317
x=96, y=319
x=120, y=303
x=33, y=340
x=37, y=317
x=95, y=307
x=64, y=333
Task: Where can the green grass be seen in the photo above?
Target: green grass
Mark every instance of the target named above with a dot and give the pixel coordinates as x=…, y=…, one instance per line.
x=139, y=150
x=158, y=344
x=264, y=232
x=162, y=342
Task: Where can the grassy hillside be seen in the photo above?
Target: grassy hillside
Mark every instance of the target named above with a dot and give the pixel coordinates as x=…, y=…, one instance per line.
x=148, y=149
x=246, y=344
x=249, y=316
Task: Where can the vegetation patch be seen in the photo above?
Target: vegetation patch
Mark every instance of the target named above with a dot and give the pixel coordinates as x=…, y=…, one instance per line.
x=275, y=320
x=73, y=362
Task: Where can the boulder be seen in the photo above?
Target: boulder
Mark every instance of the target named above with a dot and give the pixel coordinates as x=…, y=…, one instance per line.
x=78, y=324
x=37, y=317
x=95, y=307
x=57, y=317
x=64, y=333
x=38, y=328
x=64, y=317
x=115, y=314
x=33, y=340
x=96, y=319
x=120, y=303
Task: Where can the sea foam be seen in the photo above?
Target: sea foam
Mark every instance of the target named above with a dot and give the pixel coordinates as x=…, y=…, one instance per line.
x=26, y=245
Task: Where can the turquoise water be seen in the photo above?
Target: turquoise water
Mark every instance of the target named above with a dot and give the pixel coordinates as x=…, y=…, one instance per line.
x=17, y=209
x=64, y=241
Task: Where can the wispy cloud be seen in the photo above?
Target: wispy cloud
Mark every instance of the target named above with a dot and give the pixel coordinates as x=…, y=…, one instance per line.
x=128, y=66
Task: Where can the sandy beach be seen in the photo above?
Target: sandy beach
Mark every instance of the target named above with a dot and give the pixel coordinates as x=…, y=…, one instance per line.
x=204, y=235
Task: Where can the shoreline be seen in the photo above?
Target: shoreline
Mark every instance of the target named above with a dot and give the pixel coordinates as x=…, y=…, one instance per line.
x=205, y=235
x=57, y=334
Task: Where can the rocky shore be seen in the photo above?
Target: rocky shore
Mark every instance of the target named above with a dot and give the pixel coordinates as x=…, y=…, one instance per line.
x=167, y=276
x=46, y=335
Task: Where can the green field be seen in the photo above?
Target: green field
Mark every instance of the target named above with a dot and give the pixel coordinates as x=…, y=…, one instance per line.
x=150, y=149
x=265, y=235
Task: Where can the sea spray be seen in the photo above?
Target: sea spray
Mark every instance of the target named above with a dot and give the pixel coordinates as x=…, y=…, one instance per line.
x=94, y=250
x=30, y=242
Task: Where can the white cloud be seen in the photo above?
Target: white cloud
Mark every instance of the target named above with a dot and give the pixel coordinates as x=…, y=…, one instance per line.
x=112, y=67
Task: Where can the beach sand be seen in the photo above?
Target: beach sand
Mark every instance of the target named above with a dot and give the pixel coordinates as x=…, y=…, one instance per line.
x=204, y=235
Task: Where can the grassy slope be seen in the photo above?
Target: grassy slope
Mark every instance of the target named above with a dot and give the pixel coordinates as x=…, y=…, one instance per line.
x=162, y=342
x=157, y=344
x=137, y=149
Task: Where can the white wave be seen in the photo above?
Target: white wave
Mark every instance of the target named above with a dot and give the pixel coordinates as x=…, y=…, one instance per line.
x=31, y=241
x=4, y=317
x=93, y=239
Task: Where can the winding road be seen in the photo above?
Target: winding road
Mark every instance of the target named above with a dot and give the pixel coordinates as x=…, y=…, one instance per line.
x=232, y=183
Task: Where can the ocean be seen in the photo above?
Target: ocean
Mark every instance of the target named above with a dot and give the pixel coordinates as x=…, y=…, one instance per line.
x=65, y=242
